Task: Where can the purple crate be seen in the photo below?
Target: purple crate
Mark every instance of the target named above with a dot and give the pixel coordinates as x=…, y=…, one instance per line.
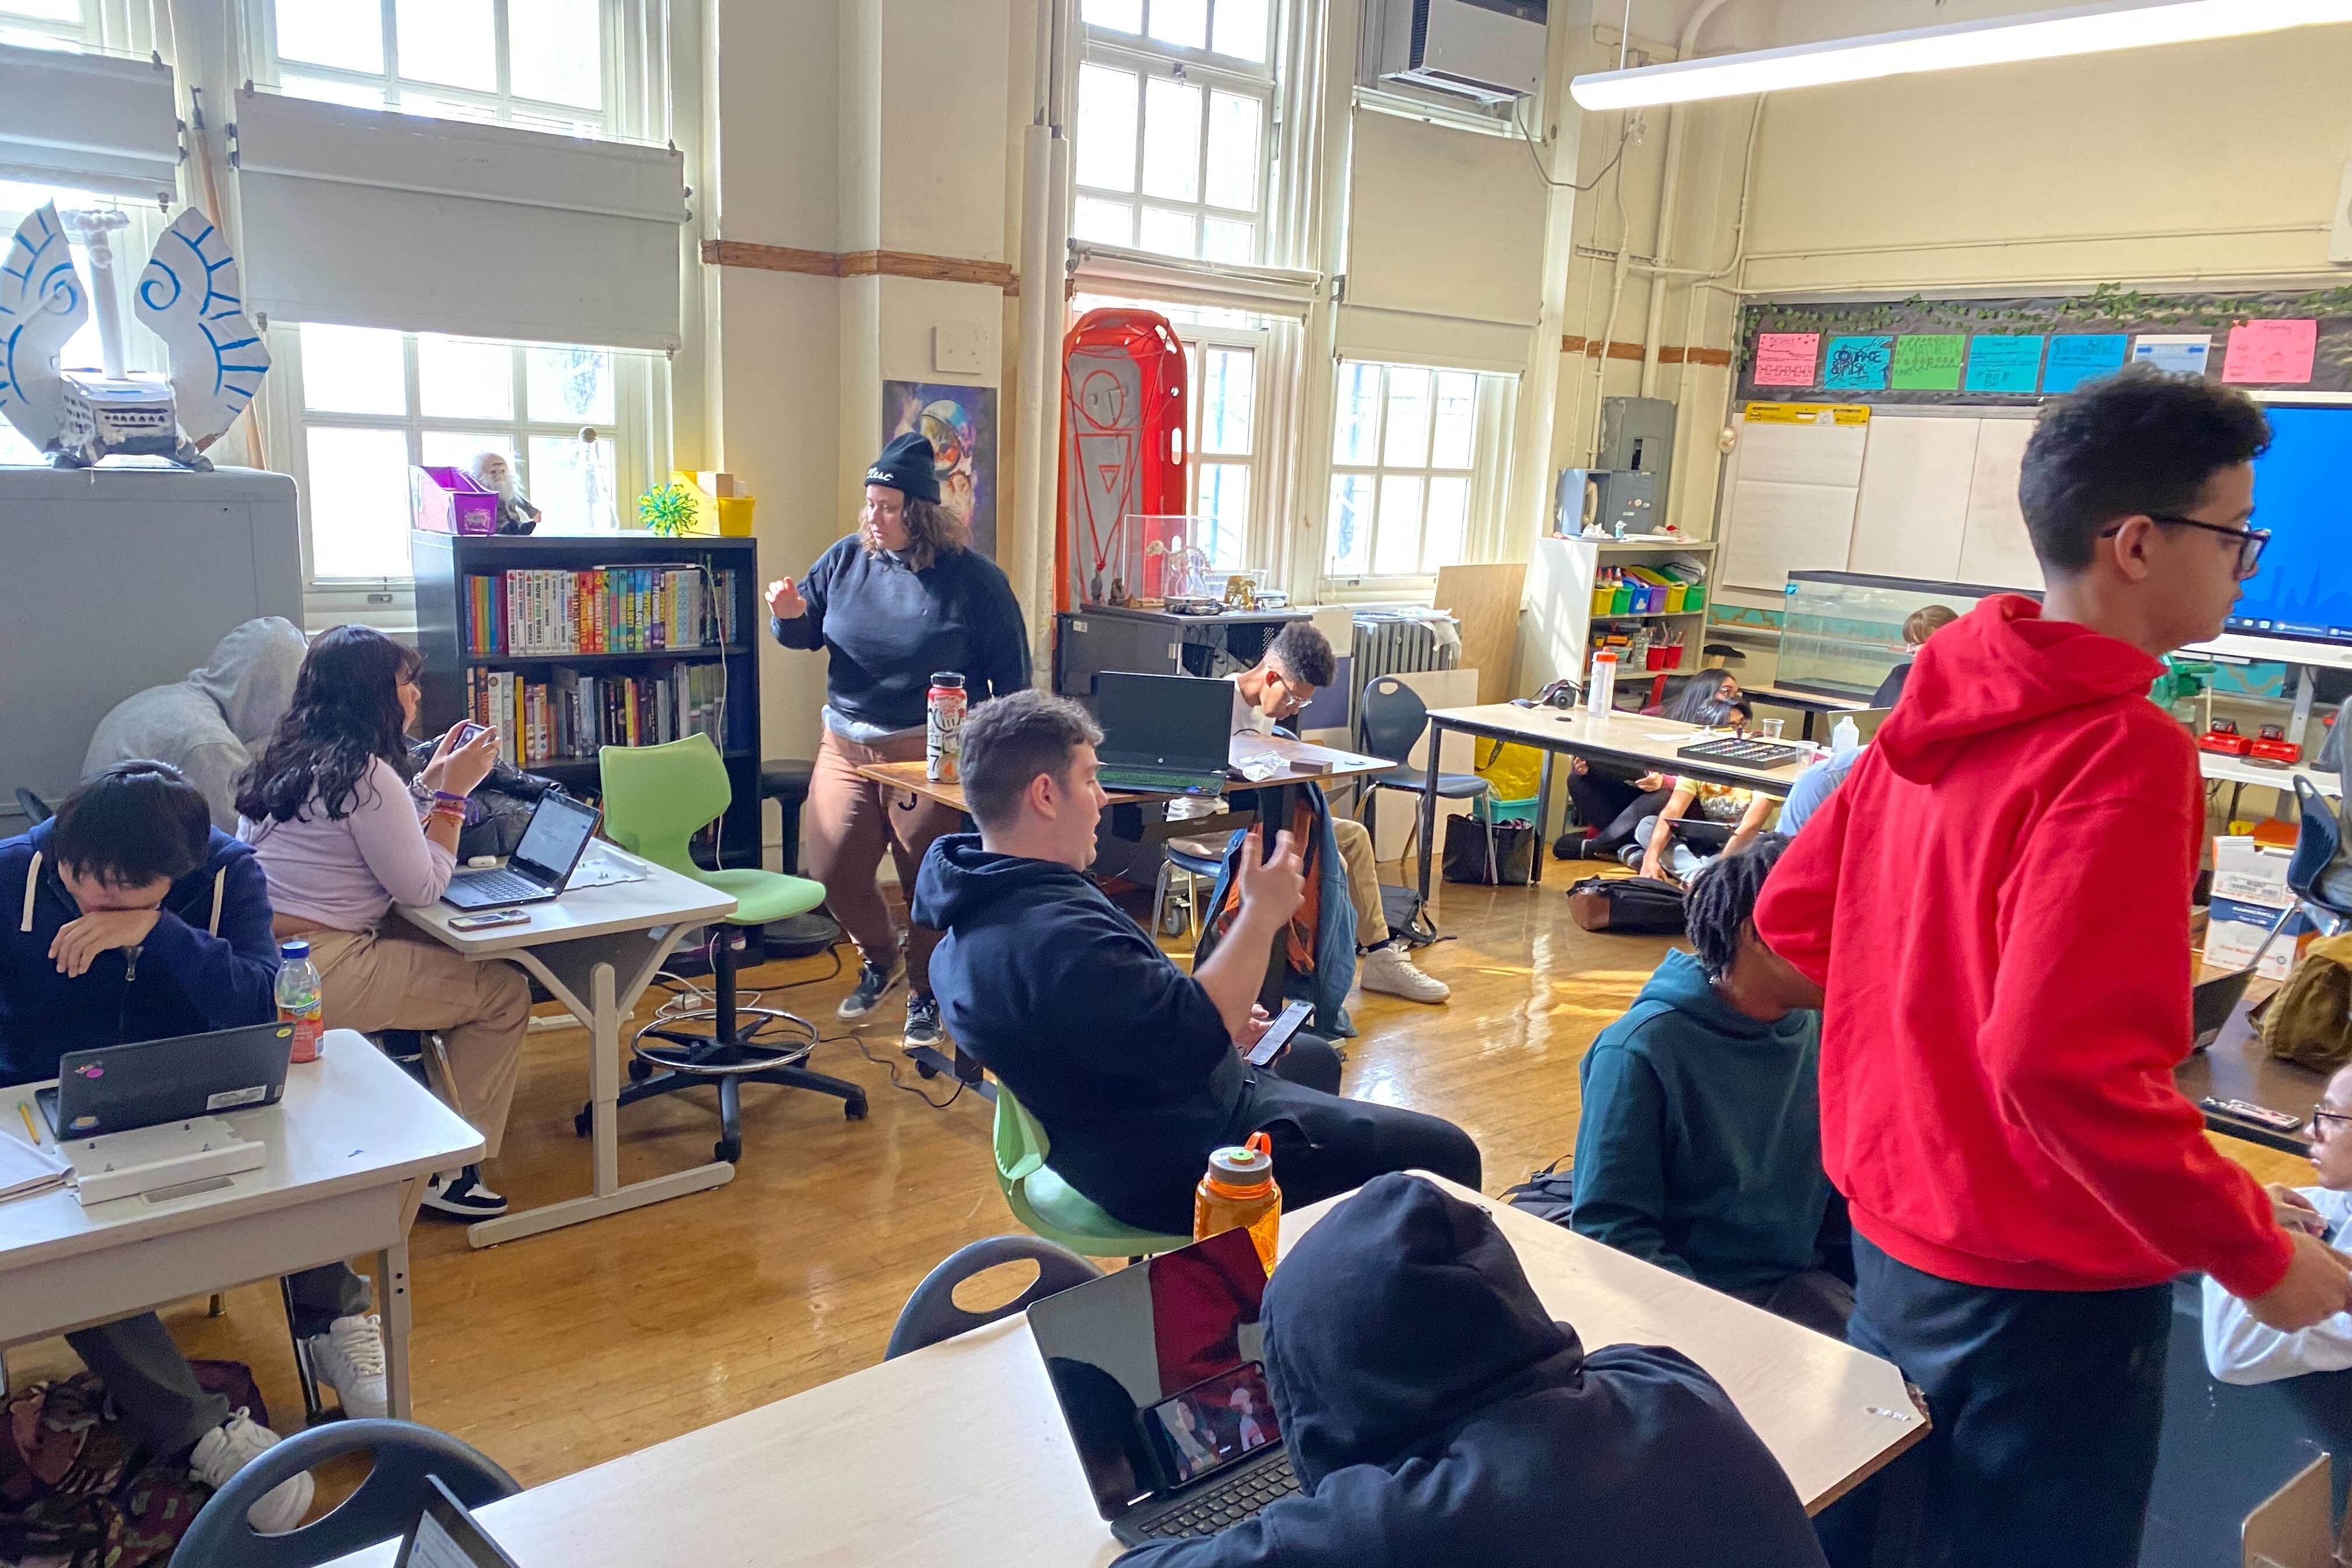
x=447, y=500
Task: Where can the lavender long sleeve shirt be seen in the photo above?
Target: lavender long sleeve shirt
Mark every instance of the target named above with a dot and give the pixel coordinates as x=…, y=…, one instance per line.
x=345, y=873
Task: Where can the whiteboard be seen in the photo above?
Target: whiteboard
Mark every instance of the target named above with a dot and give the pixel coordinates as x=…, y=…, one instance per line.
x=1996, y=550
x=1792, y=505
x=1913, y=509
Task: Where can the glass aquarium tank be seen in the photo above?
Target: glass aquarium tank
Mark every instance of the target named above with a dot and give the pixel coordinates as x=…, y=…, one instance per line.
x=1842, y=632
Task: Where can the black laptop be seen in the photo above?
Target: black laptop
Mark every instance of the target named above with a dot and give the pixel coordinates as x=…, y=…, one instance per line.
x=1163, y=734
x=2212, y=1001
x=1161, y=1373
x=118, y=1087
x=445, y=1536
x=552, y=843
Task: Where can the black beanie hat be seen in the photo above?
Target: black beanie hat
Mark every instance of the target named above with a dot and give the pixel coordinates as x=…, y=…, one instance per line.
x=909, y=465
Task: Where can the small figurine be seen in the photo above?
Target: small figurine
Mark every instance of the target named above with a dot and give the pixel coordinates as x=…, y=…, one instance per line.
x=1118, y=591
x=494, y=473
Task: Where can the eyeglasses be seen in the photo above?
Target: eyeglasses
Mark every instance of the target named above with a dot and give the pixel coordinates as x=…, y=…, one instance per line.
x=2320, y=1118
x=2250, y=540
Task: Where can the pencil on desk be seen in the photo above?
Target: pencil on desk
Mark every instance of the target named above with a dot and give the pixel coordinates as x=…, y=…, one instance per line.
x=31, y=1131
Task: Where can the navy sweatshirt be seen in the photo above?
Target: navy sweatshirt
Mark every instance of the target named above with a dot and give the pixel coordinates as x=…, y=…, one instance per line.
x=1438, y=1417
x=1119, y=1054
x=183, y=980
x=887, y=628
x=1698, y=1147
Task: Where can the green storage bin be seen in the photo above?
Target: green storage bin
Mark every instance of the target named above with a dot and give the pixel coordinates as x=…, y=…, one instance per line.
x=1488, y=809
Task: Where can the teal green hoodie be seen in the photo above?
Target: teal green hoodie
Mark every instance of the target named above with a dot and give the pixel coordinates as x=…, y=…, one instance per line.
x=1699, y=1144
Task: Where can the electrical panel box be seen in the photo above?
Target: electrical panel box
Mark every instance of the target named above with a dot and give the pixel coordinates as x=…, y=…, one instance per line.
x=1617, y=501
x=1637, y=435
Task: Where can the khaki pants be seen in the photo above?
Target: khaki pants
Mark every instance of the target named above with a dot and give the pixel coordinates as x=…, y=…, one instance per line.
x=1355, y=841
x=399, y=978
x=851, y=821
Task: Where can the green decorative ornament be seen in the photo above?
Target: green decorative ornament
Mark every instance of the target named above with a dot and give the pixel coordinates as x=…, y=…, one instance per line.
x=666, y=510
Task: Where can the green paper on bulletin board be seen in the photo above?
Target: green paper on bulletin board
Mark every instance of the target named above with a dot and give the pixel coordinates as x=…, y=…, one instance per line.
x=1929, y=362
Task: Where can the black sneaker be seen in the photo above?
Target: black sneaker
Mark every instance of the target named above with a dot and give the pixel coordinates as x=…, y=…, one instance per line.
x=922, y=1023
x=873, y=983
x=464, y=1196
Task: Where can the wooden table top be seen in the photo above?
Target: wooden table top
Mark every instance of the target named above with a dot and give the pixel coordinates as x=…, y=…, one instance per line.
x=1336, y=765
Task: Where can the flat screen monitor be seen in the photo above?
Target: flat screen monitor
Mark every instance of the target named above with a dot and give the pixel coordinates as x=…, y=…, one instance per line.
x=2302, y=494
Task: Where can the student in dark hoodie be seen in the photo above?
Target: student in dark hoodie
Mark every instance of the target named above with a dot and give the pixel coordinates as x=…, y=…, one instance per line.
x=136, y=919
x=1436, y=1415
x=1698, y=1140
x=1132, y=1067
x=1997, y=906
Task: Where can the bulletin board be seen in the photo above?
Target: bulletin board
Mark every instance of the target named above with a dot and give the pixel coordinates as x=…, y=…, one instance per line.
x=2017, y=351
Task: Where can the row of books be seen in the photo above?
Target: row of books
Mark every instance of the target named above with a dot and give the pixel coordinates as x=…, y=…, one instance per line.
x=612, y=609
x=569, y=714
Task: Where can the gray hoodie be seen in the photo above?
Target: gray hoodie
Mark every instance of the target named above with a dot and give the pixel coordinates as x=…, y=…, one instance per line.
x=210, y=725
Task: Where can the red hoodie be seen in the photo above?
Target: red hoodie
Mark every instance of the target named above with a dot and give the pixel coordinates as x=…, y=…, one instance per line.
x=1996, y=904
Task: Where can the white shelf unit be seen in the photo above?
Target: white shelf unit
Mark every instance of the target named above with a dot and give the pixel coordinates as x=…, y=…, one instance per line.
x=1556, y=612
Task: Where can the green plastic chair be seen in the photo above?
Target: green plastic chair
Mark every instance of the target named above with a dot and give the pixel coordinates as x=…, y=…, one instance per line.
x=655, y=799
x=1049, y=1205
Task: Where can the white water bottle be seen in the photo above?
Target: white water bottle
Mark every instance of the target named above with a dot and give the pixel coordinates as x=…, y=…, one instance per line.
x=1600, y=688
x=1845, y=737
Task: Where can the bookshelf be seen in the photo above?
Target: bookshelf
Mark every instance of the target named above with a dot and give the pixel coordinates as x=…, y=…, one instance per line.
x=574, y=650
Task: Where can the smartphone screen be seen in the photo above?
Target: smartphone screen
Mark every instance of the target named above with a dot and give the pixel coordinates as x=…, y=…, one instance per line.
x=467, y=732
x=1278, y=1034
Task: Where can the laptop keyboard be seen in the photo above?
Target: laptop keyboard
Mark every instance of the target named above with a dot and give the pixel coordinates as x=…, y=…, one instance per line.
x=501, y=884
x=1146, y=779
x=1227, y=1503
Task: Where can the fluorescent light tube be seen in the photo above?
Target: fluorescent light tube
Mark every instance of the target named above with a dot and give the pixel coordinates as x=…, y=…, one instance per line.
x=2041, y=35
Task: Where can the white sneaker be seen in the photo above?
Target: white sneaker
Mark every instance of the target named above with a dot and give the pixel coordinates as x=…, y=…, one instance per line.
x=348, y=1358
x=228, y=1448
x=1387, y=969
x=460, y=1195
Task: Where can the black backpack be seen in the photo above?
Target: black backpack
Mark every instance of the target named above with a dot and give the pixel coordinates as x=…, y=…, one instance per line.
x=1627, y=904
x=1549, y=1194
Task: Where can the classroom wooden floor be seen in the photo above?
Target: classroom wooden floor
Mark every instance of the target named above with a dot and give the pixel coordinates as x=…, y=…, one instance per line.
x=566, y=1350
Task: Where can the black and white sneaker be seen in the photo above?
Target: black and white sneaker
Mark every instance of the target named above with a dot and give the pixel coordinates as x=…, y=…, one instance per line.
x=873, y=983
x=461, y=1196
x=922, y=1023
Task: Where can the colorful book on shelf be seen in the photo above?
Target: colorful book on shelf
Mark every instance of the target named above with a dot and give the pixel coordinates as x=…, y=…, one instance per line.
x=666, y=608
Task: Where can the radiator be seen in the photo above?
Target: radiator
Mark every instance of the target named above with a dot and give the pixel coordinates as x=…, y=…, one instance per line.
x=1387, y=643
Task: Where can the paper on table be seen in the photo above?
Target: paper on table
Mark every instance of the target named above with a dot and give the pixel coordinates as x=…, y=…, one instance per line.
x=26, y=1168
x=598, y=870
x=2269, y=353
x=2175, y=353
x=1786, y=359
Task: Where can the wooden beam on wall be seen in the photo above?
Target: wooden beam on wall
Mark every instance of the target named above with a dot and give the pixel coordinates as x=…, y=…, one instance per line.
x=1671, y=354
x=859, y=264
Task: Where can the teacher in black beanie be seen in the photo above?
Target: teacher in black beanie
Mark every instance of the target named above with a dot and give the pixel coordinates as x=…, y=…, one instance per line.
x=903, y=596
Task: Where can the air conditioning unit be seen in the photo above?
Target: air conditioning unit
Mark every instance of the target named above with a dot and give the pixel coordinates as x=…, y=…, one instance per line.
x=1489, y=51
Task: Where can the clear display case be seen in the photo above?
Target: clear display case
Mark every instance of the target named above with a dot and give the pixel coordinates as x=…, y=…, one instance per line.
x=1842, y=632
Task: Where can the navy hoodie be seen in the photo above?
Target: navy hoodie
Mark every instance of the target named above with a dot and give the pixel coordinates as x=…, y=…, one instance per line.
x=211, y=962
x=1119, y=1054
x=1437, y=1418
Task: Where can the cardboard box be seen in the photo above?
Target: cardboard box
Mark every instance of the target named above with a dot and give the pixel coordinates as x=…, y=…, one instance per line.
x=2234, y=930
x=2246, y=873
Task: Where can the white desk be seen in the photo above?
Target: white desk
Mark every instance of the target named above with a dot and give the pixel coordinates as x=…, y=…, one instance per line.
x=958, y=1454
x=596, y=949
x=349, y=1148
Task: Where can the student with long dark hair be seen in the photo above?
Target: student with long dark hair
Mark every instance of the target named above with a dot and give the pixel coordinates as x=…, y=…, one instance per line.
x=344, y=834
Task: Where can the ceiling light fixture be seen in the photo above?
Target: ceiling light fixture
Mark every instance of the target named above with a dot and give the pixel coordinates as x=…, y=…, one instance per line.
x=2043, y=35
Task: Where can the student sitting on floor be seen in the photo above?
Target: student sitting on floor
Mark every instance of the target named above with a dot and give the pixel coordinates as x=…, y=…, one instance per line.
x=1132, y=1067
x=1436, y=1415
x=2239, y=1349
x=1614, y=803
x=1728, y=818
x=1699, y=1144
x=137, y=919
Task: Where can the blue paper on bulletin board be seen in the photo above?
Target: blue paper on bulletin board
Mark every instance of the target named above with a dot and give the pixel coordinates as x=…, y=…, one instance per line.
x=2005, y=364
x=2078, y=357
x=1857, y=365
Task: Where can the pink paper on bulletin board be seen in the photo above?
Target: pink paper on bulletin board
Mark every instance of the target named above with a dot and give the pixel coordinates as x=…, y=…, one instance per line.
x=2265, y=353
x=1787, y=359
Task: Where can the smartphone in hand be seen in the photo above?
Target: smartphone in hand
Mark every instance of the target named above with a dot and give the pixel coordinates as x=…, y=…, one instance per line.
x=1278, y=1034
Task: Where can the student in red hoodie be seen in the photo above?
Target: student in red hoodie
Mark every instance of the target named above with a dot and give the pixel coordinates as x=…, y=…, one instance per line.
x=1997, y=908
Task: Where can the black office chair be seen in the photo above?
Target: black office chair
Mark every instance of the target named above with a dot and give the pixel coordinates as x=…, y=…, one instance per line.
x=2320, y=872
x=383, y=1507
x=931, y=1314
x=1393, y=717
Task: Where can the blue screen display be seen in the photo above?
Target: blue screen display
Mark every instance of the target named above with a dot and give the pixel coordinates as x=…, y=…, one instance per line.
x=2302, y=494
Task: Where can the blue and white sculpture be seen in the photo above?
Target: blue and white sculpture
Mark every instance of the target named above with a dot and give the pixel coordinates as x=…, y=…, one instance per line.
x=188, y=295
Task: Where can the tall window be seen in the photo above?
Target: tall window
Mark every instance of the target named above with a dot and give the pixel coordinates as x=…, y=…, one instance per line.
x=1174, y=140
x=1409, y=445
x=46, y=23
x=543, y=65
x=141, y=350
x=369, y=404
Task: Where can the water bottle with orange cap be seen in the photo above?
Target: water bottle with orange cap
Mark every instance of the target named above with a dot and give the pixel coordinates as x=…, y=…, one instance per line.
x=1238, y=1192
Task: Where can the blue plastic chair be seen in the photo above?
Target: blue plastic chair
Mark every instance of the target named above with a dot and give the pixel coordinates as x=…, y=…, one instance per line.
x=2320, y=873
x=383, y=1507
x=931, y=1314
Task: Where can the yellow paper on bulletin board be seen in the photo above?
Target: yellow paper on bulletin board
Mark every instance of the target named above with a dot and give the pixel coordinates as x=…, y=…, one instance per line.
x=1808, y=413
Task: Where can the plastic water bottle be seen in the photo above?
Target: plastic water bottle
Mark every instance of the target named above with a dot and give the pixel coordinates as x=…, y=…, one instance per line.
x=1239, y=1193
x=1601, y=688
x=943, y=726
x=1845, y=737
x=299, y=1002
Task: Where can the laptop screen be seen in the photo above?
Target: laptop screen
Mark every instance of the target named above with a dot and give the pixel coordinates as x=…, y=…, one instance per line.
x=559, y=832
x=1160, y=1370
x=1177, y=721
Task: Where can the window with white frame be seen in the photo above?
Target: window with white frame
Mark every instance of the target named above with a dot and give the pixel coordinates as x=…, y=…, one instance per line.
x=47, y=24
x=141, y=350
x=367, y=404
x=1414, y=452
x=1174, y=140
x=543, y=65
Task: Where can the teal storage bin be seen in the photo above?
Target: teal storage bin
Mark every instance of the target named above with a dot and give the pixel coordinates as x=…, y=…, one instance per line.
x=1488, y=809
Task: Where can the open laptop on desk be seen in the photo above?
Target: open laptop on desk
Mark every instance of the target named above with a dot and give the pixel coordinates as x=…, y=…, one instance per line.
x=2212, y=1001
x=552, y=843
x=445, y=1536
x=1163, y=734
x=1161, y=1374
x=116, y=1089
